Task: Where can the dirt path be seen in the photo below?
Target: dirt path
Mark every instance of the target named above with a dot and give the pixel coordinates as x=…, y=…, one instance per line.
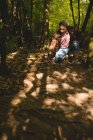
x=41, y=100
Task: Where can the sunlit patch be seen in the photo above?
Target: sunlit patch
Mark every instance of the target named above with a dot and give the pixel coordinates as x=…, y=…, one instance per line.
x=12, y=122
x=27, y=120
x=4, y=136
x=32, y=56
x=49, y=101
x=58, y=75
x=70, y=114
x=75, y=77
x=60, y=132
x=67, y=86
x=36, y=92
x=12, y=55
x=51, y=80
x=89, y=112
x=52, y=88
x=90, y=91
x=37, y=61
x=31, y=76
x=78, y=98
x=28, y=85
x=21, y=94
x=74, y=74
x=39, y=76
x=16, y=101
x=24, y=128
x=33, y=68
x=29, y=62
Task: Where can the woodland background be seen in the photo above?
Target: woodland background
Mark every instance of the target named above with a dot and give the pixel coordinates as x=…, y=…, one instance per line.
x=39, y=99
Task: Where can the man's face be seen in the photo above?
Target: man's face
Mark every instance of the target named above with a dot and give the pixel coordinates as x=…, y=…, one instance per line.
x=63, y=29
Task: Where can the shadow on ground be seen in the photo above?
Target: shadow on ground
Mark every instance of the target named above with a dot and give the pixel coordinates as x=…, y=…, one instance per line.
x=47, y=101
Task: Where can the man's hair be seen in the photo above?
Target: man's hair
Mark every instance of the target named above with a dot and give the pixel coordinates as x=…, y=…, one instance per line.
x=63, y=23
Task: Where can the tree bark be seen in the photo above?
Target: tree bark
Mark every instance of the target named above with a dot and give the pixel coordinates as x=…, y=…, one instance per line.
x=31, y=13
x=87, y=16
x=4, y=10
x=71, y=7
x=78, y=13
x=3, y=31
x=46, y=19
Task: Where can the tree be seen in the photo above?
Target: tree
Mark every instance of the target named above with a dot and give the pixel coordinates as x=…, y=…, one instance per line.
x=3, y=31
x=87, y=16
x=3, y=10
x=46, y=19
x=78, y=13
x=71, y=6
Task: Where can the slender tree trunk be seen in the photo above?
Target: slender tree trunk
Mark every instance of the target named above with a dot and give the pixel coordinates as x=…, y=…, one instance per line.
x=36, y=19
x=4, y=10
x=12, y=9
x=23, y=10
x=3, y=31
x=31, y=12
x=71, y=7
x=78, y=13
x=46, y=19
x=87, y=16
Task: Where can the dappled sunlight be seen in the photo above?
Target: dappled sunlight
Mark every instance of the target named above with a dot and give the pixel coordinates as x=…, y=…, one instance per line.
x=11, y=56
x=16, y=101
x=78, y=98
x=33, y=68
x=39, y=75
x=89, y=112
x=54, y=103
x=31, y=76
x=52, y=88
x=60, y=76
x=52, y=85
x=22, y=93
x=29, y=62
x=28, y=85
x=75, y=77
x=90, y=91
x=36, y=93
x=12, y=122
x=4, y=136
x=26, y=122
x=51, y=80
x=49, y=102
x=47, y=94
x=42, y=98
x=61, y=105
x=67, y=86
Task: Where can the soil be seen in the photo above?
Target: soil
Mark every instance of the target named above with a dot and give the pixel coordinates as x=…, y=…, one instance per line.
x=44, y=100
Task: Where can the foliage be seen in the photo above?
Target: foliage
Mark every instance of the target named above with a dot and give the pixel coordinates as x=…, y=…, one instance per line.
x=60, y=10
x=29, y=14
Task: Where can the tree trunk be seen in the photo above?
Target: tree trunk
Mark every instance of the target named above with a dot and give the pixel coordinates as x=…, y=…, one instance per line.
x=3, y=10
x=3, y=31
x=87, y=16
x=71, y=7
x=78, y=13
x=46, y=19
x=31, y=12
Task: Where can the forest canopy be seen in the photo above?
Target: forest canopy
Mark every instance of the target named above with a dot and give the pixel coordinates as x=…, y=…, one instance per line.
x=44, y=15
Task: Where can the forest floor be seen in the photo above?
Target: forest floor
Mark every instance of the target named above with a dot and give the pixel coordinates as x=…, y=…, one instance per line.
x=42, y=100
